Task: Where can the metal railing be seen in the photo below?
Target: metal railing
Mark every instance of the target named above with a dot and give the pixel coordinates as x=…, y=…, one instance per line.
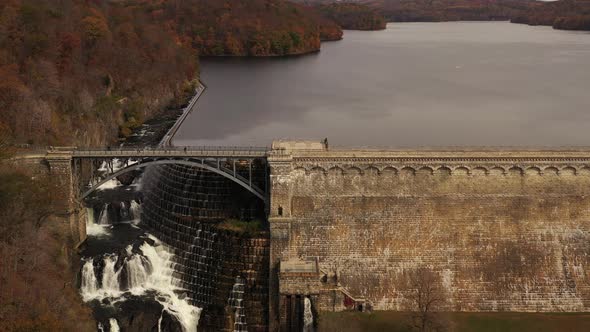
x=166, y=140
x=188, y=151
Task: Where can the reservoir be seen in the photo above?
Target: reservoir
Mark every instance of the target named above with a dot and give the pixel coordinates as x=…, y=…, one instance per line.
x=411, y=85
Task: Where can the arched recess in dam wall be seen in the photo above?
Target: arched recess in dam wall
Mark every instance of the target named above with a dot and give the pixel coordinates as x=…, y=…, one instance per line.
x=505, y=233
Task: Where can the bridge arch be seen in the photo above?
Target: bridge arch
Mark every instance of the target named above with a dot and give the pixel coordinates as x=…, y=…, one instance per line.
x=233, y=177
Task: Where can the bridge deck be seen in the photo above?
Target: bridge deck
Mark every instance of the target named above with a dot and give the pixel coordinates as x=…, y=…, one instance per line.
x=196, y=152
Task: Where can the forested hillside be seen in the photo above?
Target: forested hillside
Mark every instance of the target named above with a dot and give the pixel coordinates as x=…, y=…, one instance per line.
x=254, y=27
x=448, y=10
x=78, y=72
x=37, y=284
x=85, y=72
x=353, y=16
x=564, y=14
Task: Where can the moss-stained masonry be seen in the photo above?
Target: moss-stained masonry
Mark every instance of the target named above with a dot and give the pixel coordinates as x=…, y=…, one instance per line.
x=504, y=230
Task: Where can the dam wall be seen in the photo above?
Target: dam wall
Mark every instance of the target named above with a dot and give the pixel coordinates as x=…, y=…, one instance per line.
x=182, y=206
x=502, y=230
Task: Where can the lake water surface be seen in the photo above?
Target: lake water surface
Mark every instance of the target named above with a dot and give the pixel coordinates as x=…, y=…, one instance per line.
x=413, y=84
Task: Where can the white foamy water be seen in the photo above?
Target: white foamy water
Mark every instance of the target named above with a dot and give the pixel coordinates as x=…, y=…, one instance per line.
x=162, y=280
x=307, y=316
x=103, y=219
x=236, y=298
x=135, y=210
x=114, y=325
x=89, y=283
x=111, y=184
x=110, y=277
x=137, y=274
x=93, y=229
x=149, y=270
x=110, y=168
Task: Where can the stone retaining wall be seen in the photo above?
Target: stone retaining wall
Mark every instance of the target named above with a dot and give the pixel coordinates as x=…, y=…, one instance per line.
x=502, y=230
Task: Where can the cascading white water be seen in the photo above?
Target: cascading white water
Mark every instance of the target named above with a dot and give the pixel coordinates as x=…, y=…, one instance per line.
x=150, y=269
x=114, y=325
x=110, y=277
x=236, y=298
x=89, y=284
x=104, y=215
x=162, y=279
x=92, y=229
x=135, y=210
x=103, y=167
x=160, y=322
x=307, y=316
x=137, y=274
x=109, y=168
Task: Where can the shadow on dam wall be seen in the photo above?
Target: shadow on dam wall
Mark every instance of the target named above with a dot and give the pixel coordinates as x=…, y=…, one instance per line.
x=183, y=206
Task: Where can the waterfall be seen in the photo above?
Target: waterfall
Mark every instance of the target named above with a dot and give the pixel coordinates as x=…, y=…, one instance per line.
x=114, y=325
x=236, y=297
x=92, y=228
x=137, y=274
x=134, y=210
x=103, y=167
x=162, y=279
x=89, y=284
x=100, y=328
x=307, y=316
x=149, y=269
x=104, y=215
x=160, y=322
x=110, y=277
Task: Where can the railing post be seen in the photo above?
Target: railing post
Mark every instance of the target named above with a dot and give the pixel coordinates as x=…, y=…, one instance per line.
x=250, y=172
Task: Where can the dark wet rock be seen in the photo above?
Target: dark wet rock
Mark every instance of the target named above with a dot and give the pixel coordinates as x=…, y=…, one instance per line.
x=170, y=323
x=139, y=315
x=127, y=178
x=150, y=241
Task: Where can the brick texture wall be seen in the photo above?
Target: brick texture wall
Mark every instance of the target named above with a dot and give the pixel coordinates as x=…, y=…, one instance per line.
x=503, y=231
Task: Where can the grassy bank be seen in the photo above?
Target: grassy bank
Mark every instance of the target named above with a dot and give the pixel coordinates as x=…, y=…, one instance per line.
x=245, y=228
x=457, y=322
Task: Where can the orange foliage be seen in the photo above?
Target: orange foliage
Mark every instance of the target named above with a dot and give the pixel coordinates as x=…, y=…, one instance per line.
x=448, y=10
x=37, y=292
x=55, y=57
x=564, y=14
x=254, y=27
x=353, y=16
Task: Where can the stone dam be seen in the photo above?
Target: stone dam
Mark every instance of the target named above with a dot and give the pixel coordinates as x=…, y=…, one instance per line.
x=504, y=230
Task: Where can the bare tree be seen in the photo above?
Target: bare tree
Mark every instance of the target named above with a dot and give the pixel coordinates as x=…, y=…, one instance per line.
x=427, y=297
